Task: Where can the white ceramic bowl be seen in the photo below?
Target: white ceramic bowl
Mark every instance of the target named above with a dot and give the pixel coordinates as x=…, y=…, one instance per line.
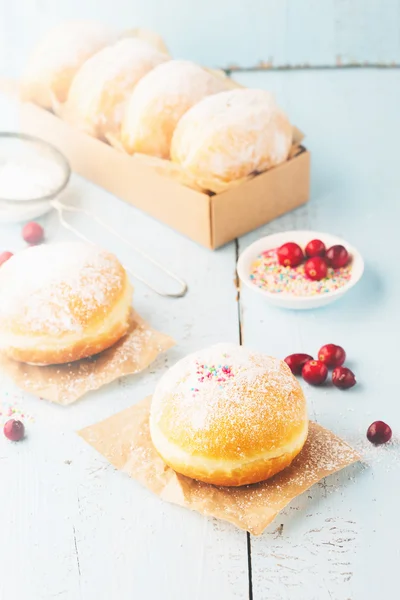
x=287, y=300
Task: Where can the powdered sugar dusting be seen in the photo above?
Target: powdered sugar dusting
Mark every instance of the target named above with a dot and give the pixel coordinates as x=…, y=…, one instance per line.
x=66, y=383
x=385, y=457
x=159, y=101
x=243, y=397
x=254, y=506
x=69, y=45
x=103, y=83
x=12, y=409
x=322, y=454
x=125, y=440
x=57, y=289
x=27, y=179
x=232, y=134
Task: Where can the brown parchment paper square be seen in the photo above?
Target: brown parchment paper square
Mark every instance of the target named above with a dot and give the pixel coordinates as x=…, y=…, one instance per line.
x=64, y=384
x=124, y=439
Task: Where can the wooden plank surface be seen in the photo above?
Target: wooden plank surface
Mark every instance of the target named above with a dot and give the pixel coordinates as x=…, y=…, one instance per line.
x=332, y=542
x=227, y=33
x=74, y=528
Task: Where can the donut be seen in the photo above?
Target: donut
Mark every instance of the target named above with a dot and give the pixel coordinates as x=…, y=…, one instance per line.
x=149, y=36
x=158, y=102
x=231, y=135
x=102, y=85
x=228, y=416
x=57, y=58
x=62, y=302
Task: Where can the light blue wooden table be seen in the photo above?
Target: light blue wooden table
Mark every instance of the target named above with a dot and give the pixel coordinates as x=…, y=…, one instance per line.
x=227, y=33
x=73, y=528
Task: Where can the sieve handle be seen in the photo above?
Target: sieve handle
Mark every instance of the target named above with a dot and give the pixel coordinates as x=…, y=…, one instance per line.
x=61, y=208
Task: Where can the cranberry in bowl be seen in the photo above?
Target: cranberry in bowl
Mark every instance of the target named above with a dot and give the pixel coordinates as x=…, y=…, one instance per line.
x=315, y=282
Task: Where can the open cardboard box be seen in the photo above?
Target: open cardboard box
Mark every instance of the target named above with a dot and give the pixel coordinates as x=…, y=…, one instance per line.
x=209, y=219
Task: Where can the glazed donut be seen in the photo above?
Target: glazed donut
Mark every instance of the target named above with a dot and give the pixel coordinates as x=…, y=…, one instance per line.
x=101, y=87
x=57, y=58
x=228, y=416
x=231, y=135
x=63, y=302
x=158, y=102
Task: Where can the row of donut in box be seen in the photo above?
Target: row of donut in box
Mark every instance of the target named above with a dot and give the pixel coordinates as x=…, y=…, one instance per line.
x=124, y=88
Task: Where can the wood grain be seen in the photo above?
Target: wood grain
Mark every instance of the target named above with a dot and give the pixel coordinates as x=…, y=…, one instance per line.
x=71, y=525
x=226, y=34
x=329, y=544
x=73, y=528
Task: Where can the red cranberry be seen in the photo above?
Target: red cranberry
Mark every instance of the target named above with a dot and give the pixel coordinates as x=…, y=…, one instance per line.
x=33, y=233
x=316, y=268
x=315, y=248
x=343, y=378
x=332, y=355
x=296, y=362
x=314, y=372
x=337, y=256
x=379, y=432
x=290, y=255
x=4, y=256
x=14, y=430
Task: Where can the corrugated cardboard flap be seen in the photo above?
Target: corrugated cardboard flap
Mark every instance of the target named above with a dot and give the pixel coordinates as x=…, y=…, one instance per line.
x=180, y=207
x=261, y=199
x=210, y=220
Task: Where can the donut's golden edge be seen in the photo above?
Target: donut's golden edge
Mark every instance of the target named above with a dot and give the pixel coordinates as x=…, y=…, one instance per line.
x=225, y=473
x=207, y=456
x=104, y=329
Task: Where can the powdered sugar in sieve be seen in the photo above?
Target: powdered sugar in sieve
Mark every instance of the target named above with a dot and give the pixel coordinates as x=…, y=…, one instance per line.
x=32, y=173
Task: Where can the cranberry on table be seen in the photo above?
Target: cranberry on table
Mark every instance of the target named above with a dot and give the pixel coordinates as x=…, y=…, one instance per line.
x=33, y=233
x=337, y=256
x=4, y=256
x=296, y=362
x=332, y=355
x=343, y=378
x=290, y=255
x=316, y=268
x=379, y=432
x=315, y=372
x=14, y=430
x=315, y=248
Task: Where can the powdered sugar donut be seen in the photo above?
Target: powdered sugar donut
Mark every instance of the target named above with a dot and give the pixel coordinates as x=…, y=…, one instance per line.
x=57, y=58
x=228, y=416
x=232, y=134
x=149, y=36
x=159, y=101
x=63, y=302
x=101, y=87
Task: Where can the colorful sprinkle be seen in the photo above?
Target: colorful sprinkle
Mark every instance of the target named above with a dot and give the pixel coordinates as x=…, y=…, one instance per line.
x=10, y=408
x=268, y=274
x=219, y=373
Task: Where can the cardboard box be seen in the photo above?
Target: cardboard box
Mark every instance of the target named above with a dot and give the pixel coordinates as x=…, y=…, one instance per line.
x=210, y=220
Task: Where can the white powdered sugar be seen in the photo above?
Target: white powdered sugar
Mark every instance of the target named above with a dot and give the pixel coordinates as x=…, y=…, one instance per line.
x=57, y=289
x=385, y=457
x=231, y=389
x=69, y=45
x=232, y=134
x=159, y=101
x=105, y=80
x=29, y=179
x=179, y=80
x=65, y=383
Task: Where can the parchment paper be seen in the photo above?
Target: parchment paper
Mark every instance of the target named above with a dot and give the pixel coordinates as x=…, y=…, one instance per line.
x=64, y=384
x=124, y=439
